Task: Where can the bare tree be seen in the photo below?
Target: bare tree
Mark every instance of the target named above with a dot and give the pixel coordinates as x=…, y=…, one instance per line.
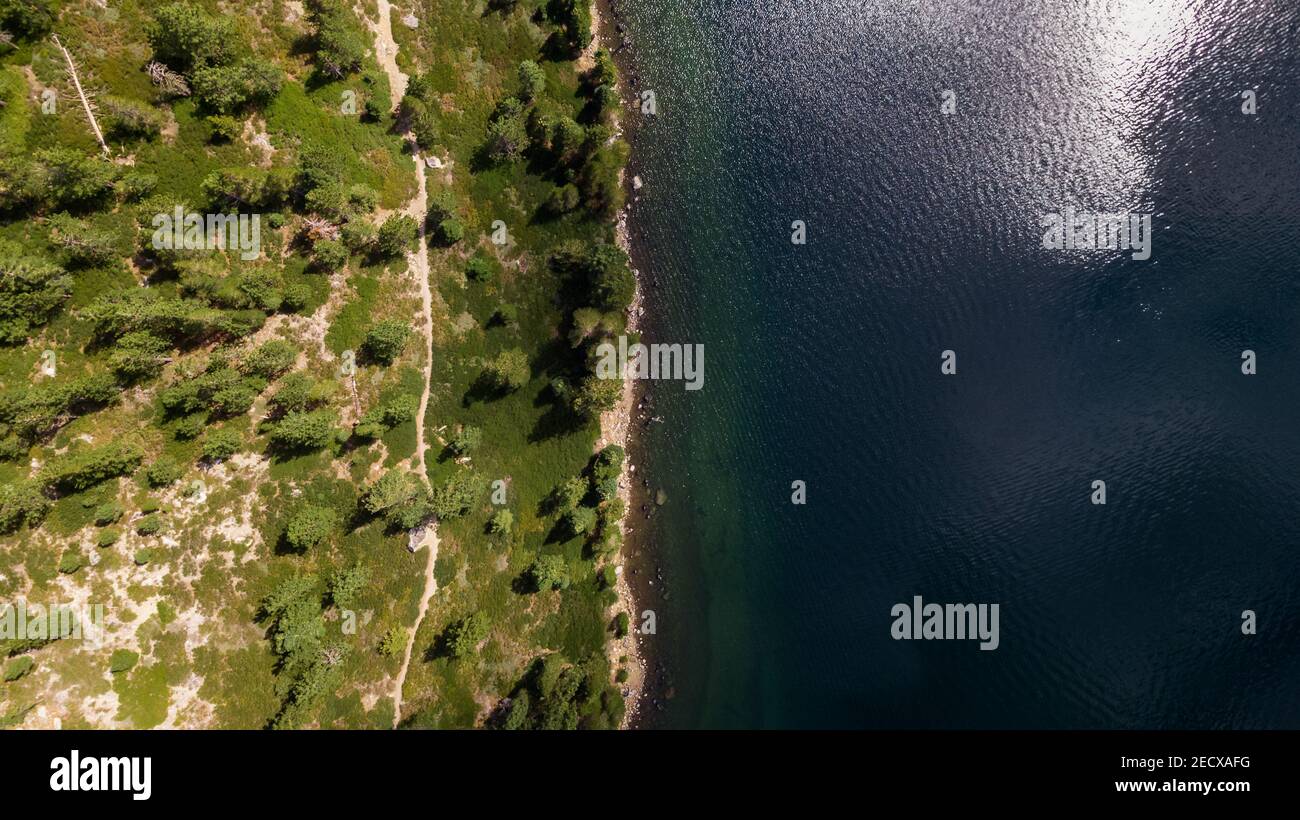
x=85, y=101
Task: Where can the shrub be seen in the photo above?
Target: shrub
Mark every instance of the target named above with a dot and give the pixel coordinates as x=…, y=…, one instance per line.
x=304, y=432
x=396, y=236
x=507, y=315
x=464, y=636
x=480, y=269
x=563, y=199
x=465, y=440
x=532, y=80
x=393, y=642
x=309, y=526
x=450, y=231
x=18, y=667
x=330, y=255
x=508, y=371
x=107, y=538
x=71, y=561
x=149, y=525
x=580, y=520
x=549, y=572
x=296, y=297
x=502, y=522
x=122, y=660
x=346, y=584
x=621, y=625
x=139, y=355
x=163, y=472
x=384, y=341
x=220, y=445
x=108, y=513
x=127, y=119
x=224, y=128
x=271, y=360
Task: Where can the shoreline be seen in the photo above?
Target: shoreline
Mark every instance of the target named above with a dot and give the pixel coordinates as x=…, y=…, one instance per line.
x=616, y=424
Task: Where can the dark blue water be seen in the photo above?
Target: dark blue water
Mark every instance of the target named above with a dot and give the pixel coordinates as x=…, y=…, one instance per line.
x=823, y=360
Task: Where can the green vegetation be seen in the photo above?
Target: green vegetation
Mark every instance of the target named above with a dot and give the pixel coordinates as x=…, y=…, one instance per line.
x=229, y=440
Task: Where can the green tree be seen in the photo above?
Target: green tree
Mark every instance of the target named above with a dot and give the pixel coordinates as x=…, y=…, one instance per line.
x=384, y=341
x=596, y=395
x=549, y=572
x=163, y=472
x=466, y=440
x=329, y=255
x=304, y=432
x=340, y=43
x=464, y=636
x=501, y=523
x=507, y=132
x=396, y=236
x=139, y=356
x=220, y=445
x=346, y=584
x=532, y=81
x=508, y=371
x=309, y=526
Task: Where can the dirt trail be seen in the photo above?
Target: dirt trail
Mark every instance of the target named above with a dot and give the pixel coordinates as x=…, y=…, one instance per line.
x=426, y=535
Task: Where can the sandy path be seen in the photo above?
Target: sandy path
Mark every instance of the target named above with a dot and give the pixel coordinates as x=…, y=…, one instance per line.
x=426, y=535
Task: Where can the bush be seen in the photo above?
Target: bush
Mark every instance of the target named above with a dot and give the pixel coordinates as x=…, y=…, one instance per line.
x=304, y=432
x=580, y=520
x=480, y=269
x=379, y=419
x=309, y=526
x=501, y=523
x=149, y=525
x=384, y=341
x=549, y=572
x=122, y=660
x=396, y=236
x=393, y=643
x=108, y=513
x=532, y=81
x=508, y=371
x=163, y=472
x=138, y=356
x=127, y=119
x=220, y=445
x=83, y=470
x=224, y=128
x=71, y=561
x=466, y=440
x=143, y=556
x=340, y=43
x=464, y=636
x=346, y=584
x=18, y=667
x=621, y=625
x=330, y=255
x=450, y=231
x=296, y=297
x=107, y=538
x=608, y=577
x=271, y=360
x=507, y=315
x=563, y=199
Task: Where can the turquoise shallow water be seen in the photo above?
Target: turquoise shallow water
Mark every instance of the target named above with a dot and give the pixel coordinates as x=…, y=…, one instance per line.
x=822, y=361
